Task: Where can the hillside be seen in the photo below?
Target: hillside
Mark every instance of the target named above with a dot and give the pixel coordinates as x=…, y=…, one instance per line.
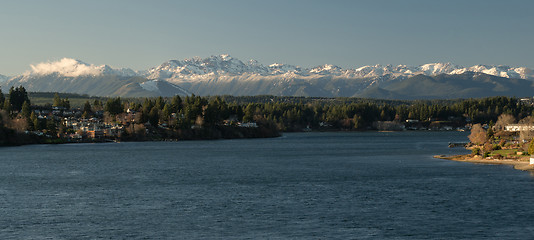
x=445, y=86
x=225, y=75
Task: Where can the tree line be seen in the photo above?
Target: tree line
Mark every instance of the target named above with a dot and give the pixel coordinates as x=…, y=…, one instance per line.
x=294, y=114
x=284, y=113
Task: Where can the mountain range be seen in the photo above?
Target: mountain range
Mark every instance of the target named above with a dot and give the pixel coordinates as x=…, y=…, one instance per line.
x=225, y=75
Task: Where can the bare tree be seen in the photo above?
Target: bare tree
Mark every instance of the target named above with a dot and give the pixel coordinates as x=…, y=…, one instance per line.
x=503, y=121
x=525, y=132
x=18, y=124
x=478, y=135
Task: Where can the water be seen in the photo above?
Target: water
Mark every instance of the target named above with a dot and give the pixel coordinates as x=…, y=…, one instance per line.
x=301, y=186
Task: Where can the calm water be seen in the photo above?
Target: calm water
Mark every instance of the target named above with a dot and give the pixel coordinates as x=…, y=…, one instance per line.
x=301, y=186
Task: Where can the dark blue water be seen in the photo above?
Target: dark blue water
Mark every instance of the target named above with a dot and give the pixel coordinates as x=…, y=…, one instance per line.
x=301, y=186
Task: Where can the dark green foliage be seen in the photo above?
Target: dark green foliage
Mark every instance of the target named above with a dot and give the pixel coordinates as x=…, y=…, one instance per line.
x=176, y=104
x=87, y=108
x=490, y=133
x=166, y=112
x=2, y=98
x=160, y=103
x=26, y=110
x=283, y=113
x=216, y=111
x=7, y=106
x=194, y=107
x=59, y=102
x=114, y=106
x=17, y=97
x=531, y=147
x=153, y=116
x=97, y=103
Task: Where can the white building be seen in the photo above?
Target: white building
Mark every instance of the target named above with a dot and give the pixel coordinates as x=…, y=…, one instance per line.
x=519, y=127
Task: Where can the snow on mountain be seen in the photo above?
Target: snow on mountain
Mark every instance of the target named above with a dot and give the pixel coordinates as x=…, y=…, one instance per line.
x=501, y=71
x=163, y=88
x=74, y=76
x=224, y=65
x=377, y=71
x=69, y=67
x=150, y=85
x=327, y=69
x=224, y=74
x=437, y=68
x=3, y=78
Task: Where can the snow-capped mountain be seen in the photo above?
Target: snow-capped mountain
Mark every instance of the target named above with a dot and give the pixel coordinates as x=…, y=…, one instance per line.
x=225, y=65
x=223, y=74
x=69, y=67
x=500, y=71
x=75, y=76
x=215, y=65
x=3, y=78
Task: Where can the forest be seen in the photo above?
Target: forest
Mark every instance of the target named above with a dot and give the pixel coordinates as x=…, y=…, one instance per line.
x=196, y=117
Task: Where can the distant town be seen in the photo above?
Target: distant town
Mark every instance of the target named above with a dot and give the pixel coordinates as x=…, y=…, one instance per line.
x=54, y=120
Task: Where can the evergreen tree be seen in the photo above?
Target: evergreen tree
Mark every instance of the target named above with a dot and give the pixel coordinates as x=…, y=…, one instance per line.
x=7, y=106
x=2, y=99
x=160, y=103
x=166, y=112
x=57, y=100
x=97, y=104
x=33, y=121
x=87, y=111
x=153, y=116
x=531, y=147
x=17, y=97
x=26, y=110
x=176, y=104
x=114, y=106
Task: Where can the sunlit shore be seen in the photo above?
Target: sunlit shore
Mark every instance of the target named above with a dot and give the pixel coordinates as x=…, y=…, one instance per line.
x=522, y=163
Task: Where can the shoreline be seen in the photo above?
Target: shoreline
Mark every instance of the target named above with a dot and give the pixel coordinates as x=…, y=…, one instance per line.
x=523, y=165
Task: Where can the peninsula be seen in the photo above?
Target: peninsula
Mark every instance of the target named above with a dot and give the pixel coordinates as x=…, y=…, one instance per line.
x=507, y=142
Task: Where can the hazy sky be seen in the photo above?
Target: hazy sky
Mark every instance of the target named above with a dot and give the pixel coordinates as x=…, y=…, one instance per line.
x=143, y=34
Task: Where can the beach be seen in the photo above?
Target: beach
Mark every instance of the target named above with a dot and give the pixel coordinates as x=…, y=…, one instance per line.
x=519, y=164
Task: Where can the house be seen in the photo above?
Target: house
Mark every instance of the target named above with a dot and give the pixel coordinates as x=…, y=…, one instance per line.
x=518, y=127
x=95, y=134
x=527, y=101
x=248, y=125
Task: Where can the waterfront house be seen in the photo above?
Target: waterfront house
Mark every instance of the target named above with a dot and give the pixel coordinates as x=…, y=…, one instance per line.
x=518, y=127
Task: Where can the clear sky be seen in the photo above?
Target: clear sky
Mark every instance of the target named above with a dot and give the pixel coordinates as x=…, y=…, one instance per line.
x=350, y=34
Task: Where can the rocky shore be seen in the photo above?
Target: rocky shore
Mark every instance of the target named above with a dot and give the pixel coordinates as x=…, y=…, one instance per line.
x=522, y=163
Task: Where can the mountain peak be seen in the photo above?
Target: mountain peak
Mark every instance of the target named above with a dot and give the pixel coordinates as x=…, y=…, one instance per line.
x=224, y=74
x=225, y=57
x=437, y=68
x=70, y=67
x=66, y=66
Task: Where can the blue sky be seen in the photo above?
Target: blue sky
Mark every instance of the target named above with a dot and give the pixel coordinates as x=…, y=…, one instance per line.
x=350, y=34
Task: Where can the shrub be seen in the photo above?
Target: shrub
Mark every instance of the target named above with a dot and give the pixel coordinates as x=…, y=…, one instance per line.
x=531, y=147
